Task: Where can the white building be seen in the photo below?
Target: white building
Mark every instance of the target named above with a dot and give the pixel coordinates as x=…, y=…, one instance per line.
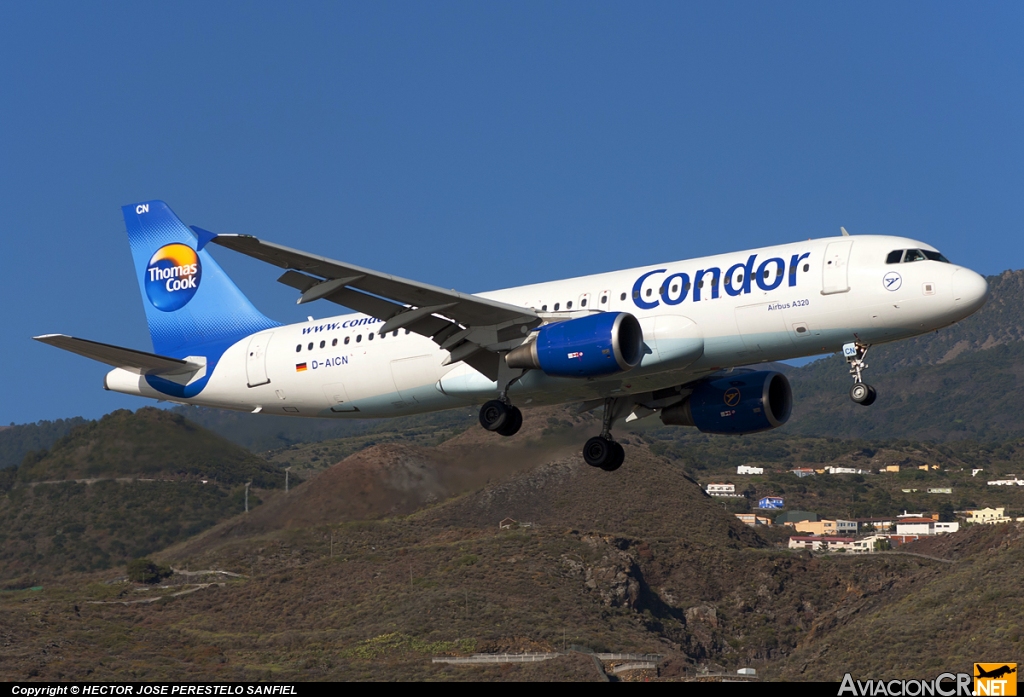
x=846, y=470
x=744, y=469
x=924, y=526
x=1007, y=482
x=941, y=490
x=817, y=543
x=867, y=544
x=721, y=490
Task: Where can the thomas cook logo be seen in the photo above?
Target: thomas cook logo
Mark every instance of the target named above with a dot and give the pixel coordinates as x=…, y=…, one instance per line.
x=995, y=678
x=172, y=277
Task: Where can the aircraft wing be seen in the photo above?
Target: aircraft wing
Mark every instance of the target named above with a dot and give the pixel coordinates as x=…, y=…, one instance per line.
x=471, y=328
x=129, y=359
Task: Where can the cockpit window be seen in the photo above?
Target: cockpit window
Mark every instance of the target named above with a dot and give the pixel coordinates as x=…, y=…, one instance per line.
x=908, y=255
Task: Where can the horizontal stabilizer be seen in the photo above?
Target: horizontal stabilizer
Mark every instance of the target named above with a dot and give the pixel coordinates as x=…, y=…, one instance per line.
x=129, y=359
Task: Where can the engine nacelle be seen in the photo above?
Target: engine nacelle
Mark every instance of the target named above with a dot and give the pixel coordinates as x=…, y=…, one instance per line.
x=599, y=344
x=739, y=403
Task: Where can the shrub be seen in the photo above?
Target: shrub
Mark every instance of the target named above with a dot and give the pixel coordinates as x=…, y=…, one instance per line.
x=147, y=571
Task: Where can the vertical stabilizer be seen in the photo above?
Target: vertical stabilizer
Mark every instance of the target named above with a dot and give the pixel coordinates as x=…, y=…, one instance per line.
x=192, y=306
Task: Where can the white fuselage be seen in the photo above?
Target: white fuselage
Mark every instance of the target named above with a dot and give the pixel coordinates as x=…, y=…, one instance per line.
x=829, y=292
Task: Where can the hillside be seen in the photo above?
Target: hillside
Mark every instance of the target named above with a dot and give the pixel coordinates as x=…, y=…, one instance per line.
x=149, y=443
x=16, y=441
x=951, y=617
x=963, y=381
x=642, y=561
x=120, y=488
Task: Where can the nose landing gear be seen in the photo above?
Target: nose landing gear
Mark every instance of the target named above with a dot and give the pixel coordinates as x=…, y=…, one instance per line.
x=861, y=392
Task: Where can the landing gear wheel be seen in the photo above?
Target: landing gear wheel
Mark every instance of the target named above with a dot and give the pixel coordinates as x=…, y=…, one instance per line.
x=618, y=457
x=604, y=453
x=495, y=414
x=513, y=422
x=871, y=397
x=863, y=394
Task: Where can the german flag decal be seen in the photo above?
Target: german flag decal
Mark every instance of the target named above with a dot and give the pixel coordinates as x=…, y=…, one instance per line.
x=299, y=367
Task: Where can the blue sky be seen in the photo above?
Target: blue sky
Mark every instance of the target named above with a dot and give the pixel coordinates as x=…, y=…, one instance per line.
x=482, y=145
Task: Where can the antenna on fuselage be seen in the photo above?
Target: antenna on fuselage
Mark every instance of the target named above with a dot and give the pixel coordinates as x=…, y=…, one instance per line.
x=843, y=230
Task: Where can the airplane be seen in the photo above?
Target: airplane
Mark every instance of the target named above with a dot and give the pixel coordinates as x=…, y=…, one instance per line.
x=994, y=673
x=675, y=339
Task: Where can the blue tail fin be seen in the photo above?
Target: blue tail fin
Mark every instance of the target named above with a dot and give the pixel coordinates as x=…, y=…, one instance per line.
x=191, y=305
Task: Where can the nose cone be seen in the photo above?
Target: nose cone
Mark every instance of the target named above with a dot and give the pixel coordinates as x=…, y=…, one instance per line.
x=970, y=290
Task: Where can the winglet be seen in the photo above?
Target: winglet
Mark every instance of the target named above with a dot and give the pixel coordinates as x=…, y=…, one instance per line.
x=205, y=236
x=843, y=230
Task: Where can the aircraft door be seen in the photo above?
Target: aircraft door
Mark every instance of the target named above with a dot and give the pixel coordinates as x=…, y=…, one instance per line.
x=256, y=360
x=835, y=267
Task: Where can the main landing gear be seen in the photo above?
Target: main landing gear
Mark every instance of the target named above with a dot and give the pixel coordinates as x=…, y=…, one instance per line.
x=861, y=392
x=601, y=451
x=500, y=415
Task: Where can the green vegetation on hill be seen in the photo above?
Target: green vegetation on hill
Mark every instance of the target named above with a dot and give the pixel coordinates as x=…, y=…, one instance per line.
x=150, y=443
x=261, y=433
x=52, y=529
x=142, y=489
x=960, y=382
x=16, y=441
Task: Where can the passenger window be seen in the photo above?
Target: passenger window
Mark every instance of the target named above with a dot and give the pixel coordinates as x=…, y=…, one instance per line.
x=543, y=308
x=383, y=334
x=346, y=340
x=407, y=331
x=310, y=347
x=604, y=299
x=622, y=297
x=894, y=257
x=394, y=333
x=322, y=344
x=370, y=338
x=649, y=291
x=298, y=348
x=334, y=342
x=557, y=305
x=913, y=255
x=807, y=267
x=675, y=288
x=583, y=303
x=568, y=305
x=359, y=337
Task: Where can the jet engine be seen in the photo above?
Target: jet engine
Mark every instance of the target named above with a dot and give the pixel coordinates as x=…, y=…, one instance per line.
x=599, y=344
x=736, y=404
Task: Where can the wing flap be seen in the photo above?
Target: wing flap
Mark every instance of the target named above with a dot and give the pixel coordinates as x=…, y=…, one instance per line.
x=466, y=309
x=129, y=359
